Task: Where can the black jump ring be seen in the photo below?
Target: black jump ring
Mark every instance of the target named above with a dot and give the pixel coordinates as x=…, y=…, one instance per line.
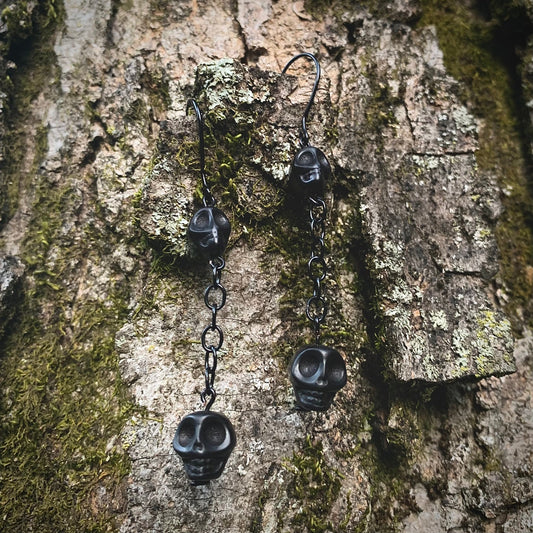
x=210, y=391
x=320, y=304
x=207, y=293
x=211, y=369
x=217, y=264
x=211, y=347
x=317, y=268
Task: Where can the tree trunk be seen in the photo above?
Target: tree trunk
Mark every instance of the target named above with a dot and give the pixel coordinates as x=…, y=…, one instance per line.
x=423, y=113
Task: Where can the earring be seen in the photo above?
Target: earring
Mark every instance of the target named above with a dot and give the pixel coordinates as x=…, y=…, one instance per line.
x=317, y=372
x=204, y=439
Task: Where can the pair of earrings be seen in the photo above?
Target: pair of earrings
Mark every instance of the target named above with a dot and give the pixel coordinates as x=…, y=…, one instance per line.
x=205, y=439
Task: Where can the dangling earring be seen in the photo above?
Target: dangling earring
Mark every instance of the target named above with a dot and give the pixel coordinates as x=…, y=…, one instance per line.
x=205, y=439
x=317, y=372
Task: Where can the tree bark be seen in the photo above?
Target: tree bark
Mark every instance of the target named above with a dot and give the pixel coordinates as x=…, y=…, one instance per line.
x=422, y=111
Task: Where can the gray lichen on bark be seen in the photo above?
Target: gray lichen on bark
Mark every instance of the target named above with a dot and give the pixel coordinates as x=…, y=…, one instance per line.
x=426, y=212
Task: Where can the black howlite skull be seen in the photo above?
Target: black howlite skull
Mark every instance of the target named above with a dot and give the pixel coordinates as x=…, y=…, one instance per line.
x=204, y=440
x=309, y=171
x=209, y=231
x=317, y=374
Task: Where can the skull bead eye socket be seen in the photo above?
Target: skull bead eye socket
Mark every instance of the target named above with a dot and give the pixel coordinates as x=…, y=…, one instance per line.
x=309, y=364
x=306, y=158
x=201, y=220
x=336, y=372
x=213, y=433
x=220, y=218
x=186, y=433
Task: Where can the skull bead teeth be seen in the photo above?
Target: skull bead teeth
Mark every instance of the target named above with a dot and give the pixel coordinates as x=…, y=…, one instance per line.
x=204, y=440
x=317, y=373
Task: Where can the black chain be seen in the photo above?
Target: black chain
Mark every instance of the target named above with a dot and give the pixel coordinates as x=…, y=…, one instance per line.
x=214, y=298
x=317, y=308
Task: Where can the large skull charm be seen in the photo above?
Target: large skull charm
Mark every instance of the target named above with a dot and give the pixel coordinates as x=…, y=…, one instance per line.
x=309, y=171
x=204, y=440
x=317, y=374
x=209, y=231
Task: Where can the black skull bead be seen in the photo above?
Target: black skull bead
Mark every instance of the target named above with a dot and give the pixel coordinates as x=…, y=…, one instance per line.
x=309, y=172
x=204, y=440
x=209, y=231
x=317, y=373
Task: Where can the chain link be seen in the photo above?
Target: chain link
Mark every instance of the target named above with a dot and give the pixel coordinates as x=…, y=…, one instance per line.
x=214, y=298
x=316, y=308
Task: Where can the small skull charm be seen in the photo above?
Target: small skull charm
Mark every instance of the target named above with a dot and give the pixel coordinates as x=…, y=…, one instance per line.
x=317, y=373
x=209, y=231
x=204, y=440
x=309, y=171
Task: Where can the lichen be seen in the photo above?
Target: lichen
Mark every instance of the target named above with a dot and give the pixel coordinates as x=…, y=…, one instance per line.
x=483, y=344
x=490, y=326
x=225, y=85
x=439, y=319
x=169, y=213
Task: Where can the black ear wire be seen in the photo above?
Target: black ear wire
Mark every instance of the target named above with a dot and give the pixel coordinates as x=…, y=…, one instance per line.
x=207, y=199
x=310, y=167
x=317, y=372
x=209, y=229
x=204, y=439
x=304, y=137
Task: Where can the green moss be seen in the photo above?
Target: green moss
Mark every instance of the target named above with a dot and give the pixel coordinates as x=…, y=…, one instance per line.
x=380, y=107
x=29, y=44
x=18, y=21
x=62, y=404
x=156, y=84
x=390, y=486
x=475, y=54
x=22, y=20
x=315, y=486
x=403, y=433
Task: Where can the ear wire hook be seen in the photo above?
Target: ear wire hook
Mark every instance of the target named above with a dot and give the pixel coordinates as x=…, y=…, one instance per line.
x=304, y=137
x=208, y=200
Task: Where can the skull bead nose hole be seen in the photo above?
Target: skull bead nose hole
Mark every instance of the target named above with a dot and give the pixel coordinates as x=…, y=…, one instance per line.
x=209, y=231
x=198, y=446
x=309, y=365
x=213, y=433
x=186, y=433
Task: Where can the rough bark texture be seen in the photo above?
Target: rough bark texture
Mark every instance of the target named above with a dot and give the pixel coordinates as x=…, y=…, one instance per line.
x=429, y=249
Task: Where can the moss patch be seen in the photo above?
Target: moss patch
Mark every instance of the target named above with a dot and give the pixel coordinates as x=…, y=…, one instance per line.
x=62, y=405
x=316, y=486
x=28, y=45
